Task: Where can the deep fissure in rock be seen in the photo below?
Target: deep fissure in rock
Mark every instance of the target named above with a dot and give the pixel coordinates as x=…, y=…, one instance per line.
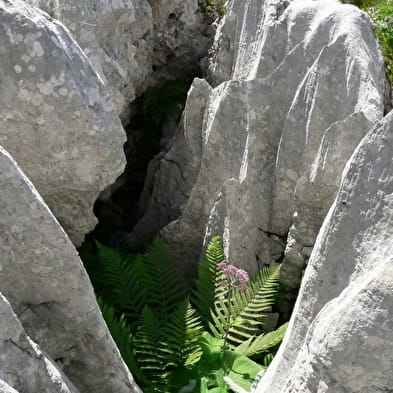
x=154, y=118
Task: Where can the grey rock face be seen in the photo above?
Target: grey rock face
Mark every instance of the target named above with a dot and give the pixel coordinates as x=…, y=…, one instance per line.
x=298, y=84
x=22, y=364
x=44, y=280
x=56, y=117
x=135, y=43
x=340, y=338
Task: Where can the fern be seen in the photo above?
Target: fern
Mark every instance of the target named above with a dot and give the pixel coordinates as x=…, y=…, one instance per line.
x=252, y=305
x=207, y=286
x=243, y=316
x=262, y=343
x=161, y=280
x=120, y=275
x=268, y=359
x=181, y=334
x=149, y=353
x=154, y=324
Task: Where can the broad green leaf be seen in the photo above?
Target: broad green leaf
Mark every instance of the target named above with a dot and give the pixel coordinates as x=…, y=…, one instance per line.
x=240, y=368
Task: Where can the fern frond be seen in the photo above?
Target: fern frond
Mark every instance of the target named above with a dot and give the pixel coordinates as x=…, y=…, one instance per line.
x=263, y=343
x=121, y=275
x=148, y=348
x=254, y=304
x=161, y=280
x=207, y=286
x=249, y=307
x=180, y=335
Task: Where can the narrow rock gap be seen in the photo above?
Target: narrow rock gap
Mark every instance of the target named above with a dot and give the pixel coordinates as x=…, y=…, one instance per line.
x=153, y=120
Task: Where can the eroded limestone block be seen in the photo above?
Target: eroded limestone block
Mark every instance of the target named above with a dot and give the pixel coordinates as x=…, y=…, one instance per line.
x=49, y=290
x=56, y=117
x=340, y=338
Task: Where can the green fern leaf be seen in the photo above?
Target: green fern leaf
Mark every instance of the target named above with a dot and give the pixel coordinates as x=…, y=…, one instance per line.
x=149, y=351
x=249, y=306
x=180, y=335
x=207, y=286
x=161, y=280
x=121, y=276
x=263, y=343
x=267, y=360
x=254, y=304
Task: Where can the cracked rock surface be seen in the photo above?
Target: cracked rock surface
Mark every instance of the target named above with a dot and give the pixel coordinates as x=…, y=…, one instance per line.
x=47, y=286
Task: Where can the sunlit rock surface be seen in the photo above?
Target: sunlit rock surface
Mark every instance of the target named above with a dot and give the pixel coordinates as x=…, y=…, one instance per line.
x=47, y=286
x=296, y=87
x=135, y=43
x=56, y=117
x=340, y=338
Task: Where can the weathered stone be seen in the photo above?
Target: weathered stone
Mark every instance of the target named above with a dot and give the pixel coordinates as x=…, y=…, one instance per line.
x=298, y=85
x=44, y=280
x=340, y=338
x=56, y=117
x=5, y=388
x=22, y=364
x=135, y=43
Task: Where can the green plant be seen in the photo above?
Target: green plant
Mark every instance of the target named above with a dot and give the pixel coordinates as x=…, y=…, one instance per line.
x=165, y=102
x=241, y=315
x=170, y=342
x=213, y=9
x=381, y=15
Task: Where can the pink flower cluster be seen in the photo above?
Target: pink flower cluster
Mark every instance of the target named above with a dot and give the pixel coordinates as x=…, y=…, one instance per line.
x=234, y=277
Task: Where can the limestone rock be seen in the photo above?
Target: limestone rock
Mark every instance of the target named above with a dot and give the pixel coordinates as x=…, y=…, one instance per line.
x=56, y=117
x=340, y=338
x=135, y=43
x=22, y=364
x=297, y=86
x=5, y=388
x=45, y=282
